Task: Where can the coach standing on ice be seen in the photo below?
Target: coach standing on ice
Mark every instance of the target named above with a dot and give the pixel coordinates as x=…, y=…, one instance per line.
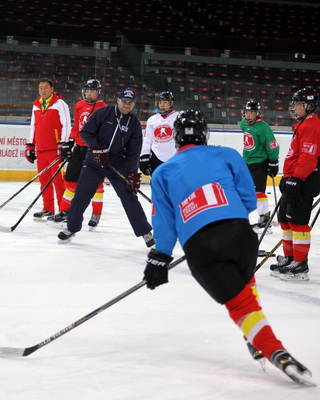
x=113, y=135
x=50, y=125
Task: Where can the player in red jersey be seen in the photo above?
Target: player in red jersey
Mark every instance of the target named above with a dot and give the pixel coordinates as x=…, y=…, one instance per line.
x=82, y=112
x=299, y=185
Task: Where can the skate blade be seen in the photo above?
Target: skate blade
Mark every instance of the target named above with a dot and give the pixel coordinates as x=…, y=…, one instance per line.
x=262, y=362
x=43, y=219
x=300, y=378
x=294, y=277
x=92, y=228
x=59, y=225
x=63, y=241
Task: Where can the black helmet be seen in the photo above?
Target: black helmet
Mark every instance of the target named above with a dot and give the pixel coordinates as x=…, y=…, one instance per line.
x=190, y=127
x=92, y=84
x=252, y=106
x=164, y=96
x=307, y=96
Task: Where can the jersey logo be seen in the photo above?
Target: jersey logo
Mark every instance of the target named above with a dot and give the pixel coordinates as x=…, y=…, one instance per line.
x=309, y=148
x=273, y=144
x=83, y=119
x=248, y=141
x=163, y=133
x=208, y=196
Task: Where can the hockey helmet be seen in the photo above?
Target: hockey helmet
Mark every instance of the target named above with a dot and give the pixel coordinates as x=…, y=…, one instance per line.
x=251, y=106
x=190, y=127
x=92, y=84
x=164, y=96
x=308, y=97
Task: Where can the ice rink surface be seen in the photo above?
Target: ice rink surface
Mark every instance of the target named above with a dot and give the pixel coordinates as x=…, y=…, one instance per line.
x=173, y=343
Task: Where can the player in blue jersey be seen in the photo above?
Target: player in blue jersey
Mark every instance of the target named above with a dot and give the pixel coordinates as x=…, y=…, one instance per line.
x=202, y=197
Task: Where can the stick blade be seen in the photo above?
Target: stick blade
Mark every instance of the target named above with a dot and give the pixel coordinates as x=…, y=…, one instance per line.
x=7, y=352
x=5, y=229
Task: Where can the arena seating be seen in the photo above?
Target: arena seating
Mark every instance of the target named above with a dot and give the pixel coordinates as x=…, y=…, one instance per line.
x=229, y=28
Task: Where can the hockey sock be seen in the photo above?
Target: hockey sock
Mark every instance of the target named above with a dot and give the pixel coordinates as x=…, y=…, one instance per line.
x=68, y=195
x=301, y=239
x=262, y=203
x=246, y=312
x=286, y=239
x=97, y=200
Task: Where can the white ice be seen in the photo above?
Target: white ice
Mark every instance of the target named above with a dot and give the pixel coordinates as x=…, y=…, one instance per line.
x=173, y=343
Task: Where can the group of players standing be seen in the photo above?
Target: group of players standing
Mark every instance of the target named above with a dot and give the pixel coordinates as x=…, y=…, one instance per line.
x=202, y=196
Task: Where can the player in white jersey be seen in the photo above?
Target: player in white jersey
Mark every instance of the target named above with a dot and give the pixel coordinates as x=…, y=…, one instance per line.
x=158, y=141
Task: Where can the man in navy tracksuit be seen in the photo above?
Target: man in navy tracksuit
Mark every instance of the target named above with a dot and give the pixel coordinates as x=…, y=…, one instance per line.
x=113, y=135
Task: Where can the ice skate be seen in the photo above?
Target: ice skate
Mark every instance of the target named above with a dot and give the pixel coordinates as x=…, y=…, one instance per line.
x=38, y=216
x=94, y=222
x=291, y=367
x=65, y=236
x=59, y=220
x=149, y=240
x=295, y=271
x=282, y=262
x=260, y=226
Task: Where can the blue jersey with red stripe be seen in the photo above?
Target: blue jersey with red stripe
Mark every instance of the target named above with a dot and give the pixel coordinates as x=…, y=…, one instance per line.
x=197, y=186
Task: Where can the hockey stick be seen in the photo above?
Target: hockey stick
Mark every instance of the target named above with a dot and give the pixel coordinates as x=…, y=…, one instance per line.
x=12, y=228
x=269, y=222
x=270, y=253
x=32, y=180
x=125, y=179
x=22, y=352
x=275, y=195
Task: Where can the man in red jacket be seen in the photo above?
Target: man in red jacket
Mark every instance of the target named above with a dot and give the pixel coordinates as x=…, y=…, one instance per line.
x=50, y=126
x=299, y=185
x=82, y=112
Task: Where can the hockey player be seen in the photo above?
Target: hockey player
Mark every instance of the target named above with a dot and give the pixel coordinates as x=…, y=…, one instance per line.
x=50, y=125
x=202, y=196
x=113, y=135
x=299, y=185
x=91, y=92
x=158, y=142
x=261, y=154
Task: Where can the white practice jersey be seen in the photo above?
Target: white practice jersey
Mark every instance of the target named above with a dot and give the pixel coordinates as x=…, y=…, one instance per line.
x=158, y=136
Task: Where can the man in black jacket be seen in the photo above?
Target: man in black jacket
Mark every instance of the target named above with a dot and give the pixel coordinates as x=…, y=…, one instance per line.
x=113, y=135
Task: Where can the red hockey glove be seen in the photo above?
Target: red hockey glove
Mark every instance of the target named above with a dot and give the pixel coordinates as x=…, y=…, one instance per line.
x=100, y=155
x=156, y=271
x=30, y=153
x=134, y=181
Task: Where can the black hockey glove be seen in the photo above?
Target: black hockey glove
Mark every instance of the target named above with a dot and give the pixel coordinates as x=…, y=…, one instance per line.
x=30, y=153
x=293, y=190
x=273, y=168
x=65, y=150
x=156, y=271
x=144, y=164
x=100, y=155
x=133, y=182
